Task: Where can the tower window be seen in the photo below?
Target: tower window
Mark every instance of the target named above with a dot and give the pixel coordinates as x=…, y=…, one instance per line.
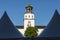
x=28, y=25
x=29, y=16
x=32, y=17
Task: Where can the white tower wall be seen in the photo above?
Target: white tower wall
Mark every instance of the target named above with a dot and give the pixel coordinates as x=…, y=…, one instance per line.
x=29, y=20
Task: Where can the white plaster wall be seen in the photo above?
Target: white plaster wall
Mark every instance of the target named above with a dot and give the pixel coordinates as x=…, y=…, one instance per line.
x=21, y=31
x=26, y=15
x=40, y=31
x=26, y=22
x=27, y=18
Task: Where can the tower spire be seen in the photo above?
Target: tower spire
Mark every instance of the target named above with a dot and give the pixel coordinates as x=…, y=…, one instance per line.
x=29, y=8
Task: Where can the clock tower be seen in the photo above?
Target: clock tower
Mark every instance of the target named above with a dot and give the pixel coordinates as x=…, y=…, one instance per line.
x=29, y=17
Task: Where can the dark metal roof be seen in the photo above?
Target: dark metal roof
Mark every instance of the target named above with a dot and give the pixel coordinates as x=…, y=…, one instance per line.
x=20, y=27
x=29, y=5
x=53, y=28
x=39, y=27
x=7, y=29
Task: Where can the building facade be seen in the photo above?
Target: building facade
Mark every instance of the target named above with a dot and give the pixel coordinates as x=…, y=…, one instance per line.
x=29, y=20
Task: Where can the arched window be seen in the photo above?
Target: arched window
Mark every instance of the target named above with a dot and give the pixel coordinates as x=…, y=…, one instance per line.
x=32, y=16
x=29, y=16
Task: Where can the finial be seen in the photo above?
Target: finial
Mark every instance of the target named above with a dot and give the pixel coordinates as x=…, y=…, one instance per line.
x=29, y=4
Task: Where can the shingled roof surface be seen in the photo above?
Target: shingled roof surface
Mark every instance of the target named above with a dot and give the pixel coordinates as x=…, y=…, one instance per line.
x=7, y=29
x=53, y=28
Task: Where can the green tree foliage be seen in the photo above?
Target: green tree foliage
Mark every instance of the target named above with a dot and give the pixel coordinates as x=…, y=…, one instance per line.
x=31, y=32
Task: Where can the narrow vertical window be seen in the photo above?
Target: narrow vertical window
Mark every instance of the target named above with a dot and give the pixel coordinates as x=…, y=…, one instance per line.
x=30, y=24
x=32, y=17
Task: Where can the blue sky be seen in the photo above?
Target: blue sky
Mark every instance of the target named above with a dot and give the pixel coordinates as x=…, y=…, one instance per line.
x=43, y=10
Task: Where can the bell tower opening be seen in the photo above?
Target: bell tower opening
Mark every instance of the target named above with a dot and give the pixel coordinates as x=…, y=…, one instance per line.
x=29, y=8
